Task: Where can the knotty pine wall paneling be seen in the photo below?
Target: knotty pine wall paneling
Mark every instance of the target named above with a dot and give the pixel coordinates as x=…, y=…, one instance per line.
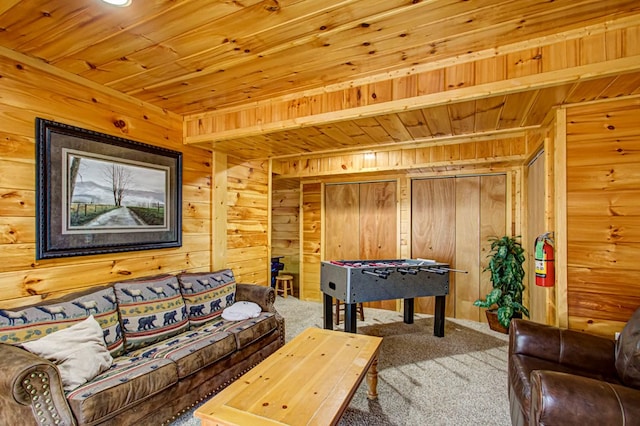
x=247, y=220
x=31, y=90
x=464, y=153
x=285, y=230
x=603, y=212
x=311, y=241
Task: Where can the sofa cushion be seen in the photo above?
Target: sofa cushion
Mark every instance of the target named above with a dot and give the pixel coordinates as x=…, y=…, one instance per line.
x=207, y=294
x=192, y=350
x=79, y=352
x=628, y=352
x=33, y=322
x=151, y=309
x=245, y=331
x=127, y=382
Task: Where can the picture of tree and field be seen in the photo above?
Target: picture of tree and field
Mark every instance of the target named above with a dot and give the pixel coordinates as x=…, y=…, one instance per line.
x=98, y=193
x=105, y=194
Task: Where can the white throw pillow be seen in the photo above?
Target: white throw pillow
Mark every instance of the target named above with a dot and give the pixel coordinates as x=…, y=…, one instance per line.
x=78, y=351
x=241, y=311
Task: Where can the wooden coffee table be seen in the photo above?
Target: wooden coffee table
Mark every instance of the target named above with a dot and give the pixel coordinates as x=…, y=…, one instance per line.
x=310, y=380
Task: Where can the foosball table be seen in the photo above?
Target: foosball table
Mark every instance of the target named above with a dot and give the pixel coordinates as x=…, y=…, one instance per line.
x=356, y=281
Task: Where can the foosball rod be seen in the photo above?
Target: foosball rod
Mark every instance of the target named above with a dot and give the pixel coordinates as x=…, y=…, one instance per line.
x=455, y=270
x=442, y=270
x=433, y=270
x=380, y=274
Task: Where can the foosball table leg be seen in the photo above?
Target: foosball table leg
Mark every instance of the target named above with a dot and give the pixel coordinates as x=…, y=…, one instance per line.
x=438, y=319
x=408, y=311
x=350, y=317
x=327, y=305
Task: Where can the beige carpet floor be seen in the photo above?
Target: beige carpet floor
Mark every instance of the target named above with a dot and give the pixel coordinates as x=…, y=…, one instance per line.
x=459, y=379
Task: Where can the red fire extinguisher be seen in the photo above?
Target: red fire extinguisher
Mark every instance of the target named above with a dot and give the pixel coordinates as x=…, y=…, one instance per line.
x=545, y=271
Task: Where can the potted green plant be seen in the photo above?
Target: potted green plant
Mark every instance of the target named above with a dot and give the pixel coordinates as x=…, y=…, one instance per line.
x=507, y=276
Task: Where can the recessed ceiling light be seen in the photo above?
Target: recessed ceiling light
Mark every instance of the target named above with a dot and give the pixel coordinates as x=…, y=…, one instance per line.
x=120, y=3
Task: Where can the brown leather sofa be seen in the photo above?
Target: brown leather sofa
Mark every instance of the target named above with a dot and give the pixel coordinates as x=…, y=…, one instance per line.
x=566, y=377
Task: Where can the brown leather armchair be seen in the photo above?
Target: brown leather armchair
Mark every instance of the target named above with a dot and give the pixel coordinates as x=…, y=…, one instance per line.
x=566, y=377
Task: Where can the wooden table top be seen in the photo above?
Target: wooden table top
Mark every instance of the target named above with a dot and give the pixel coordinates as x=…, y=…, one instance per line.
x=308, y=381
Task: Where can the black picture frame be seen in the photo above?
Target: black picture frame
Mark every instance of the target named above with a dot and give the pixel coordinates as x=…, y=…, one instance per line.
x=97, y=193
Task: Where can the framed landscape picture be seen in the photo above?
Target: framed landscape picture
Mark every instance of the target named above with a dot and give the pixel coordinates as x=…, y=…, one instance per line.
x=98, y=193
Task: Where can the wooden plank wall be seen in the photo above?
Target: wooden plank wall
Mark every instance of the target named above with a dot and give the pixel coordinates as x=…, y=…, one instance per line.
x=30, y=91
x=603, y=212
x=247, y=220
x=451, y=155
x=285, y=230
x=311, y=234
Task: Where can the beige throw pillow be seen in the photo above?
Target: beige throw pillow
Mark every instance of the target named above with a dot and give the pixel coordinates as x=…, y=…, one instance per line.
x=78, y=351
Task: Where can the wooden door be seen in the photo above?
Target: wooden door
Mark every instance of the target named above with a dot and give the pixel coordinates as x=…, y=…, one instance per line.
x=535, y=226
x=433, y=229
x=342, y=222
x=361, y=223
x=378, y=227
x=452, y=220
x=493, y=223
x=378, y=220
x=467, y=248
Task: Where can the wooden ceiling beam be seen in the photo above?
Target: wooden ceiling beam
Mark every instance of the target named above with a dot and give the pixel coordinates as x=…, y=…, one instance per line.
x=196, y=134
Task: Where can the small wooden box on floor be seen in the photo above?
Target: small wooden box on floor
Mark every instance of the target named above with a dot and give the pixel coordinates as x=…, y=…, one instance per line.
x=310, y=380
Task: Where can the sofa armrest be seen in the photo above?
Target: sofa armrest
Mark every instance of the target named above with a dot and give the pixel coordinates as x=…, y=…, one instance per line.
x=565, y=399
x=30, y=385
x=264, y=296
x=565, y=347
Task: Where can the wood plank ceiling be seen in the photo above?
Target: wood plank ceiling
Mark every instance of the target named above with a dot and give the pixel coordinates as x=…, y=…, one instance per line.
x=197, y=57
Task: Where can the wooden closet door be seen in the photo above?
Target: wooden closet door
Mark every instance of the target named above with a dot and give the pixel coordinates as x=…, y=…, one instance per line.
x=537, y=302
x=378, y=220
x=342, y=222
x=433, y=229
x=451, y=221
x=467, y=247
x=378, y=227
x=361, y=223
